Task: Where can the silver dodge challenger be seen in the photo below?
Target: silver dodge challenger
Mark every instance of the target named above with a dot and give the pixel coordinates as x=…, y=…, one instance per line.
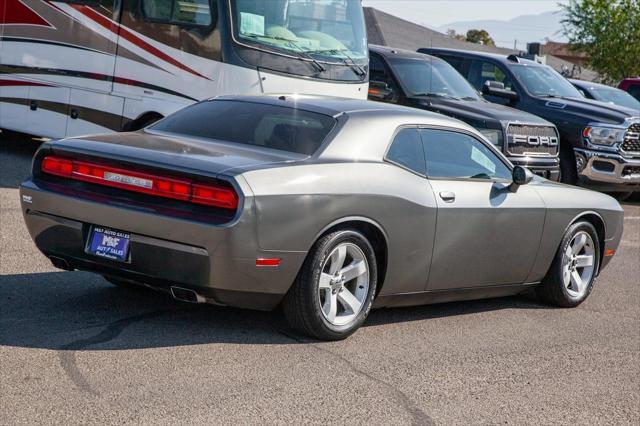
x=326, y=206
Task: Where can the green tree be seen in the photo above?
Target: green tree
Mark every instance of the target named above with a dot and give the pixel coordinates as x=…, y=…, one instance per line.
x=609, y=32
x=480, y=37
x=452, y=33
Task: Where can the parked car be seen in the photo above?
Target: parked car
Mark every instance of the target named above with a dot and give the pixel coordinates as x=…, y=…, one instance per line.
x=321, y=204
x=604, y=93
x=631, y=85
x=600, y=142
x=426, y=82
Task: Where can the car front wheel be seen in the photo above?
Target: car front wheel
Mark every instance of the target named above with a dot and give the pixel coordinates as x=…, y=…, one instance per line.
x=334, y=291
x=573, y=271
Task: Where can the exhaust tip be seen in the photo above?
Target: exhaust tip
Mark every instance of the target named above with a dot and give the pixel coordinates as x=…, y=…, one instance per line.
x=60, y=263
x=186, y=295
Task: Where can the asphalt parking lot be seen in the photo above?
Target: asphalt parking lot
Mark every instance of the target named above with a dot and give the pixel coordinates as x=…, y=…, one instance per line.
x=76, y=350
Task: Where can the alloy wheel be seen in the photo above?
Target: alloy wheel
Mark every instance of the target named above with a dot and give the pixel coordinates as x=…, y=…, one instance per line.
x=344, y=284
x=578, y=264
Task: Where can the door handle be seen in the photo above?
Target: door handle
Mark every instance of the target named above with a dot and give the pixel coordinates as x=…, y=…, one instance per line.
x=447, y=196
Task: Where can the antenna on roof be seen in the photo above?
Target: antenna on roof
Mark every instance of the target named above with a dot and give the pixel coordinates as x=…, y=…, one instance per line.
x=513, y=58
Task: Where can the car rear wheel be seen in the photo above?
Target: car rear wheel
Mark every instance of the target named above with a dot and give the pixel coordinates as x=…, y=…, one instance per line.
x=334, y=291
x=573, y=271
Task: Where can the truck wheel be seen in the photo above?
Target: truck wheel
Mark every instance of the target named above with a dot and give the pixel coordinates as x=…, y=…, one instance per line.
x=334, y=291
x=572, y=274
x=568, y=171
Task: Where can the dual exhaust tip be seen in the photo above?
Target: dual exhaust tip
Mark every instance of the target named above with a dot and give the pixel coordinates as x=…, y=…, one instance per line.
x=186, y=295
x=179, y=293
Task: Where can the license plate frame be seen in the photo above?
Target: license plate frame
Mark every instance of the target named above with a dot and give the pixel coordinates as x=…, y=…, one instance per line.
x=109, y=243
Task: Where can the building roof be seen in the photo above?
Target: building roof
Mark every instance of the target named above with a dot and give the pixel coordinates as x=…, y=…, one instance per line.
x=388, y=30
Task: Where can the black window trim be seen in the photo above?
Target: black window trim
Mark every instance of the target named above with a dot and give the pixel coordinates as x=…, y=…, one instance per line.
x=213, y=12
x=491, y=148
x=386, y=158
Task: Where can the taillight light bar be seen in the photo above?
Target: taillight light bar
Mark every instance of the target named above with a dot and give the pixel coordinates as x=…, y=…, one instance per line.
x=146, y=183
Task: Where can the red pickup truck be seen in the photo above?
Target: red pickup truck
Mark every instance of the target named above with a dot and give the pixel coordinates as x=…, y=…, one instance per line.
x=631, y=85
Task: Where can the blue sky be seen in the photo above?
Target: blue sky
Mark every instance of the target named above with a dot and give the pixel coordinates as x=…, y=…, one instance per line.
x=436, y=13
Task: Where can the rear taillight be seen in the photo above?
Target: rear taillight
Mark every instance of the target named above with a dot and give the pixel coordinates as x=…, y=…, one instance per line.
x=146, y=183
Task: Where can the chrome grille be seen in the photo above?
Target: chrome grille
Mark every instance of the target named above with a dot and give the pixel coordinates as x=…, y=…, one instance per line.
x=524, y=139
x=631, y=143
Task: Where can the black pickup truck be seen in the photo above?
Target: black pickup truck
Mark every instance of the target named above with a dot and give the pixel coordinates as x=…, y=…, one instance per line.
x=600, y=142
x=422, y=81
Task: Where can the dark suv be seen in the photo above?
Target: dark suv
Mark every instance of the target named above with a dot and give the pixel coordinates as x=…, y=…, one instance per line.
x=600, y=142
x=426, y=82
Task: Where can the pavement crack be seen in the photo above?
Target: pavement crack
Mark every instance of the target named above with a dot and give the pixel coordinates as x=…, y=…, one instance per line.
x=67, y=353
x=419, y=417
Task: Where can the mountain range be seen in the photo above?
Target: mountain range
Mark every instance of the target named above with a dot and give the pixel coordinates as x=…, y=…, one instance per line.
x=520, y=30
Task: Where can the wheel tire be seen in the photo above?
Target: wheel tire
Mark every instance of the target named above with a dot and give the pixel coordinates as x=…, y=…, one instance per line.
x=554, y=287
x=303, y=305
x=568, y=171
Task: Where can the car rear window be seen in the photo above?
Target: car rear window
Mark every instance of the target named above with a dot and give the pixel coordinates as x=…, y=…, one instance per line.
x=276, y=127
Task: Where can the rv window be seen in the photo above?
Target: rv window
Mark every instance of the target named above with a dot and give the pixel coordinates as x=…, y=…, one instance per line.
x=178, y=12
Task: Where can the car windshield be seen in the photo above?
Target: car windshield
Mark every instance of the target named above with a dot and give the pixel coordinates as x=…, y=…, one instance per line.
x=430, y=76
x=542, y=80
x=327, y=29
x=615, y=96
x=249, y=123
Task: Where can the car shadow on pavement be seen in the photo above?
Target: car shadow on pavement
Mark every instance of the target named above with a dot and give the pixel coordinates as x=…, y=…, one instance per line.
x=81, y=311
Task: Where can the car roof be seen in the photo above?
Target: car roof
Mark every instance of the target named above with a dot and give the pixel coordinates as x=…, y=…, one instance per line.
x=587, y=84
x=402, y=53
x=505, y=59
x=327, y=105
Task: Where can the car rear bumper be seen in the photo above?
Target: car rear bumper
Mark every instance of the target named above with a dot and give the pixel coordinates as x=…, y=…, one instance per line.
x=608, y=170
x=548, y=168
x=217, y=262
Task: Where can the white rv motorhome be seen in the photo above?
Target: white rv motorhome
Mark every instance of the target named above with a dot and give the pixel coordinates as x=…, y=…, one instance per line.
x=73, y=67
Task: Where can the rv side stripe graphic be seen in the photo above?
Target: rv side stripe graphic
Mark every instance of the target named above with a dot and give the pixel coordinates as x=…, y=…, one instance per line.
x=16, y=69
x=131, y=37
x=22, y=83
x=101, y=118
x=18, y=13
x=54, y=43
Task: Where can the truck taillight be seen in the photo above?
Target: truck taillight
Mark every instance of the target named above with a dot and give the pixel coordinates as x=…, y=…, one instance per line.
x=147, y=183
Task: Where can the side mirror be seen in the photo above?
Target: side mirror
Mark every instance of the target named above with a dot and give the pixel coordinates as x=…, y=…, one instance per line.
x=496, y=88
x=521, y=176
x=379, y=90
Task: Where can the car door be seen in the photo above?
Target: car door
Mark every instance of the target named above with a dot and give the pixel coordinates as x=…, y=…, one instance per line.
x=486, y=233
x=482, y=71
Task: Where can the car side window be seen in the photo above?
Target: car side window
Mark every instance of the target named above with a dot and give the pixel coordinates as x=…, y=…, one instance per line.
x=483, y=71
x=378, y=71
x=407, y=151
x=635, y=91
x=456, y=155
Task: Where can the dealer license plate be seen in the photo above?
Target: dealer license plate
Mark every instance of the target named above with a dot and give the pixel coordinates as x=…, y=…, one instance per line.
x=109, y=243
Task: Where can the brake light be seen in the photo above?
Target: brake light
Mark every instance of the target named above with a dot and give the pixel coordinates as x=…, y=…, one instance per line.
x=146, y=183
